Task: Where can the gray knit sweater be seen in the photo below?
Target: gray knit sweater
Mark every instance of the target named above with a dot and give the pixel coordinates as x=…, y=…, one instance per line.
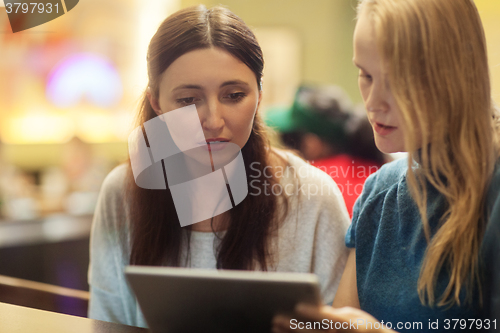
x=311, y=239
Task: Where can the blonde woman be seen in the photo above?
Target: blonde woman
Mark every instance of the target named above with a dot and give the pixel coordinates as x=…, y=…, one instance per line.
x=416, y=262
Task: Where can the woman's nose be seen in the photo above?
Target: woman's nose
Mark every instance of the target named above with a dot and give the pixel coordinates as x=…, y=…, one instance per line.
x=377, y=99
x=212, y=119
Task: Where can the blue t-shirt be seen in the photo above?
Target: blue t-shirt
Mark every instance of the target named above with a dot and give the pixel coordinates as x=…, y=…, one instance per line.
x=490, y=254
x=390, y=244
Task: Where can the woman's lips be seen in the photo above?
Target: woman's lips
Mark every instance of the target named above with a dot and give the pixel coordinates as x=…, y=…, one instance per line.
x=383, y=129
x=216, y=145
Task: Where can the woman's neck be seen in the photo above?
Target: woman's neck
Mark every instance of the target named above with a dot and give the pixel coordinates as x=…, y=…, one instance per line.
x=217, y=223
x=277, y=160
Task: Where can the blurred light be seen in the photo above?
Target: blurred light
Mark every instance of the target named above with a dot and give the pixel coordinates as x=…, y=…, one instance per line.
x=84, y=77
x=37, y=128
x=150, y=14
x=123, y=124
x=94, y=126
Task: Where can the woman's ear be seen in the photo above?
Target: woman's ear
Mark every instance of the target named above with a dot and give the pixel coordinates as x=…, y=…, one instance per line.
x=258, y=103
x=153, y=101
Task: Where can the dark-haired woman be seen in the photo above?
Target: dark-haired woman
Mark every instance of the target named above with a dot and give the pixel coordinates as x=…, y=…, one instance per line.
x=293, y=218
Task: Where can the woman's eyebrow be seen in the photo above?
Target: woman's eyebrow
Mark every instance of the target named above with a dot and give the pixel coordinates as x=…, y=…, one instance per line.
x=187, y=86
x=194, y=86
x=233, y=82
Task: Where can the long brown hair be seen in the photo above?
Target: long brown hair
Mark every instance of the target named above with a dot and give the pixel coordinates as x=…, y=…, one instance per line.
x=157, y=237
x=438, y=73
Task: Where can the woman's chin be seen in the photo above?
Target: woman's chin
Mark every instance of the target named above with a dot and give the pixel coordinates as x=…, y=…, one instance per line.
x=388, y=146
x=389, y=149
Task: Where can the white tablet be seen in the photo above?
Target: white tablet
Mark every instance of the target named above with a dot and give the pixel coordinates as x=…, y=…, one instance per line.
x=186, y=300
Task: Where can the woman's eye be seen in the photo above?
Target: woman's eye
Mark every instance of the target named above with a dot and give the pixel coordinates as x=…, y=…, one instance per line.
x=185, y=101
x=236, y=97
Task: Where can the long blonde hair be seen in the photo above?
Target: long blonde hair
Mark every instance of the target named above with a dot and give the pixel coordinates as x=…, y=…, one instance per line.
x=437, y=69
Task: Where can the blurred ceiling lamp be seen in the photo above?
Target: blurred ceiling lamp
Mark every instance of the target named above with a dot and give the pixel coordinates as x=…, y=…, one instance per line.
x=84, y=78
x=37, y=128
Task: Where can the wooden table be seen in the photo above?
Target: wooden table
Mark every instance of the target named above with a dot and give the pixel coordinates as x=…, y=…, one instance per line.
x=15, y=319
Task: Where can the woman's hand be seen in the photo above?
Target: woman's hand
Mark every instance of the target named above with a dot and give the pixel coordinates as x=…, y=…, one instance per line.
x=327, y=319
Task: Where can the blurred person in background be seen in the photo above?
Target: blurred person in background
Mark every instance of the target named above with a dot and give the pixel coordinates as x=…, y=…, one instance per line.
x=327, y=130
x=85, y=173
x=18, y=192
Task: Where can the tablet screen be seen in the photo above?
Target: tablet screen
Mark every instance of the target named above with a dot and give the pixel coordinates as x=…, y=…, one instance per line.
x=195, y=300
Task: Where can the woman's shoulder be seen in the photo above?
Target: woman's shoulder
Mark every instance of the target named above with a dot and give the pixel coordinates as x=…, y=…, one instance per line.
x=389, y=175
x=113, y=186
x=112, y=215
x=319, y=199
x=314, y=188
x=380, y=184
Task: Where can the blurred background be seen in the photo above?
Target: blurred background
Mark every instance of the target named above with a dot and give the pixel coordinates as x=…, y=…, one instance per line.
x=69, y=90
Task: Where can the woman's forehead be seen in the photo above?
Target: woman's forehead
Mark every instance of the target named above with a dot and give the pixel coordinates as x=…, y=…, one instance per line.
x=365, y=44
x=206, y=67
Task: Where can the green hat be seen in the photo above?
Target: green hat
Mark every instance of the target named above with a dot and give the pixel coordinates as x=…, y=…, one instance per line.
x=280, y=117
x=323, y=110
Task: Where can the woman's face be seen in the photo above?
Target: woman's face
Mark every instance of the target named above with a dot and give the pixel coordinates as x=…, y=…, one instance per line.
x=383, y=113
x=223, y=89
